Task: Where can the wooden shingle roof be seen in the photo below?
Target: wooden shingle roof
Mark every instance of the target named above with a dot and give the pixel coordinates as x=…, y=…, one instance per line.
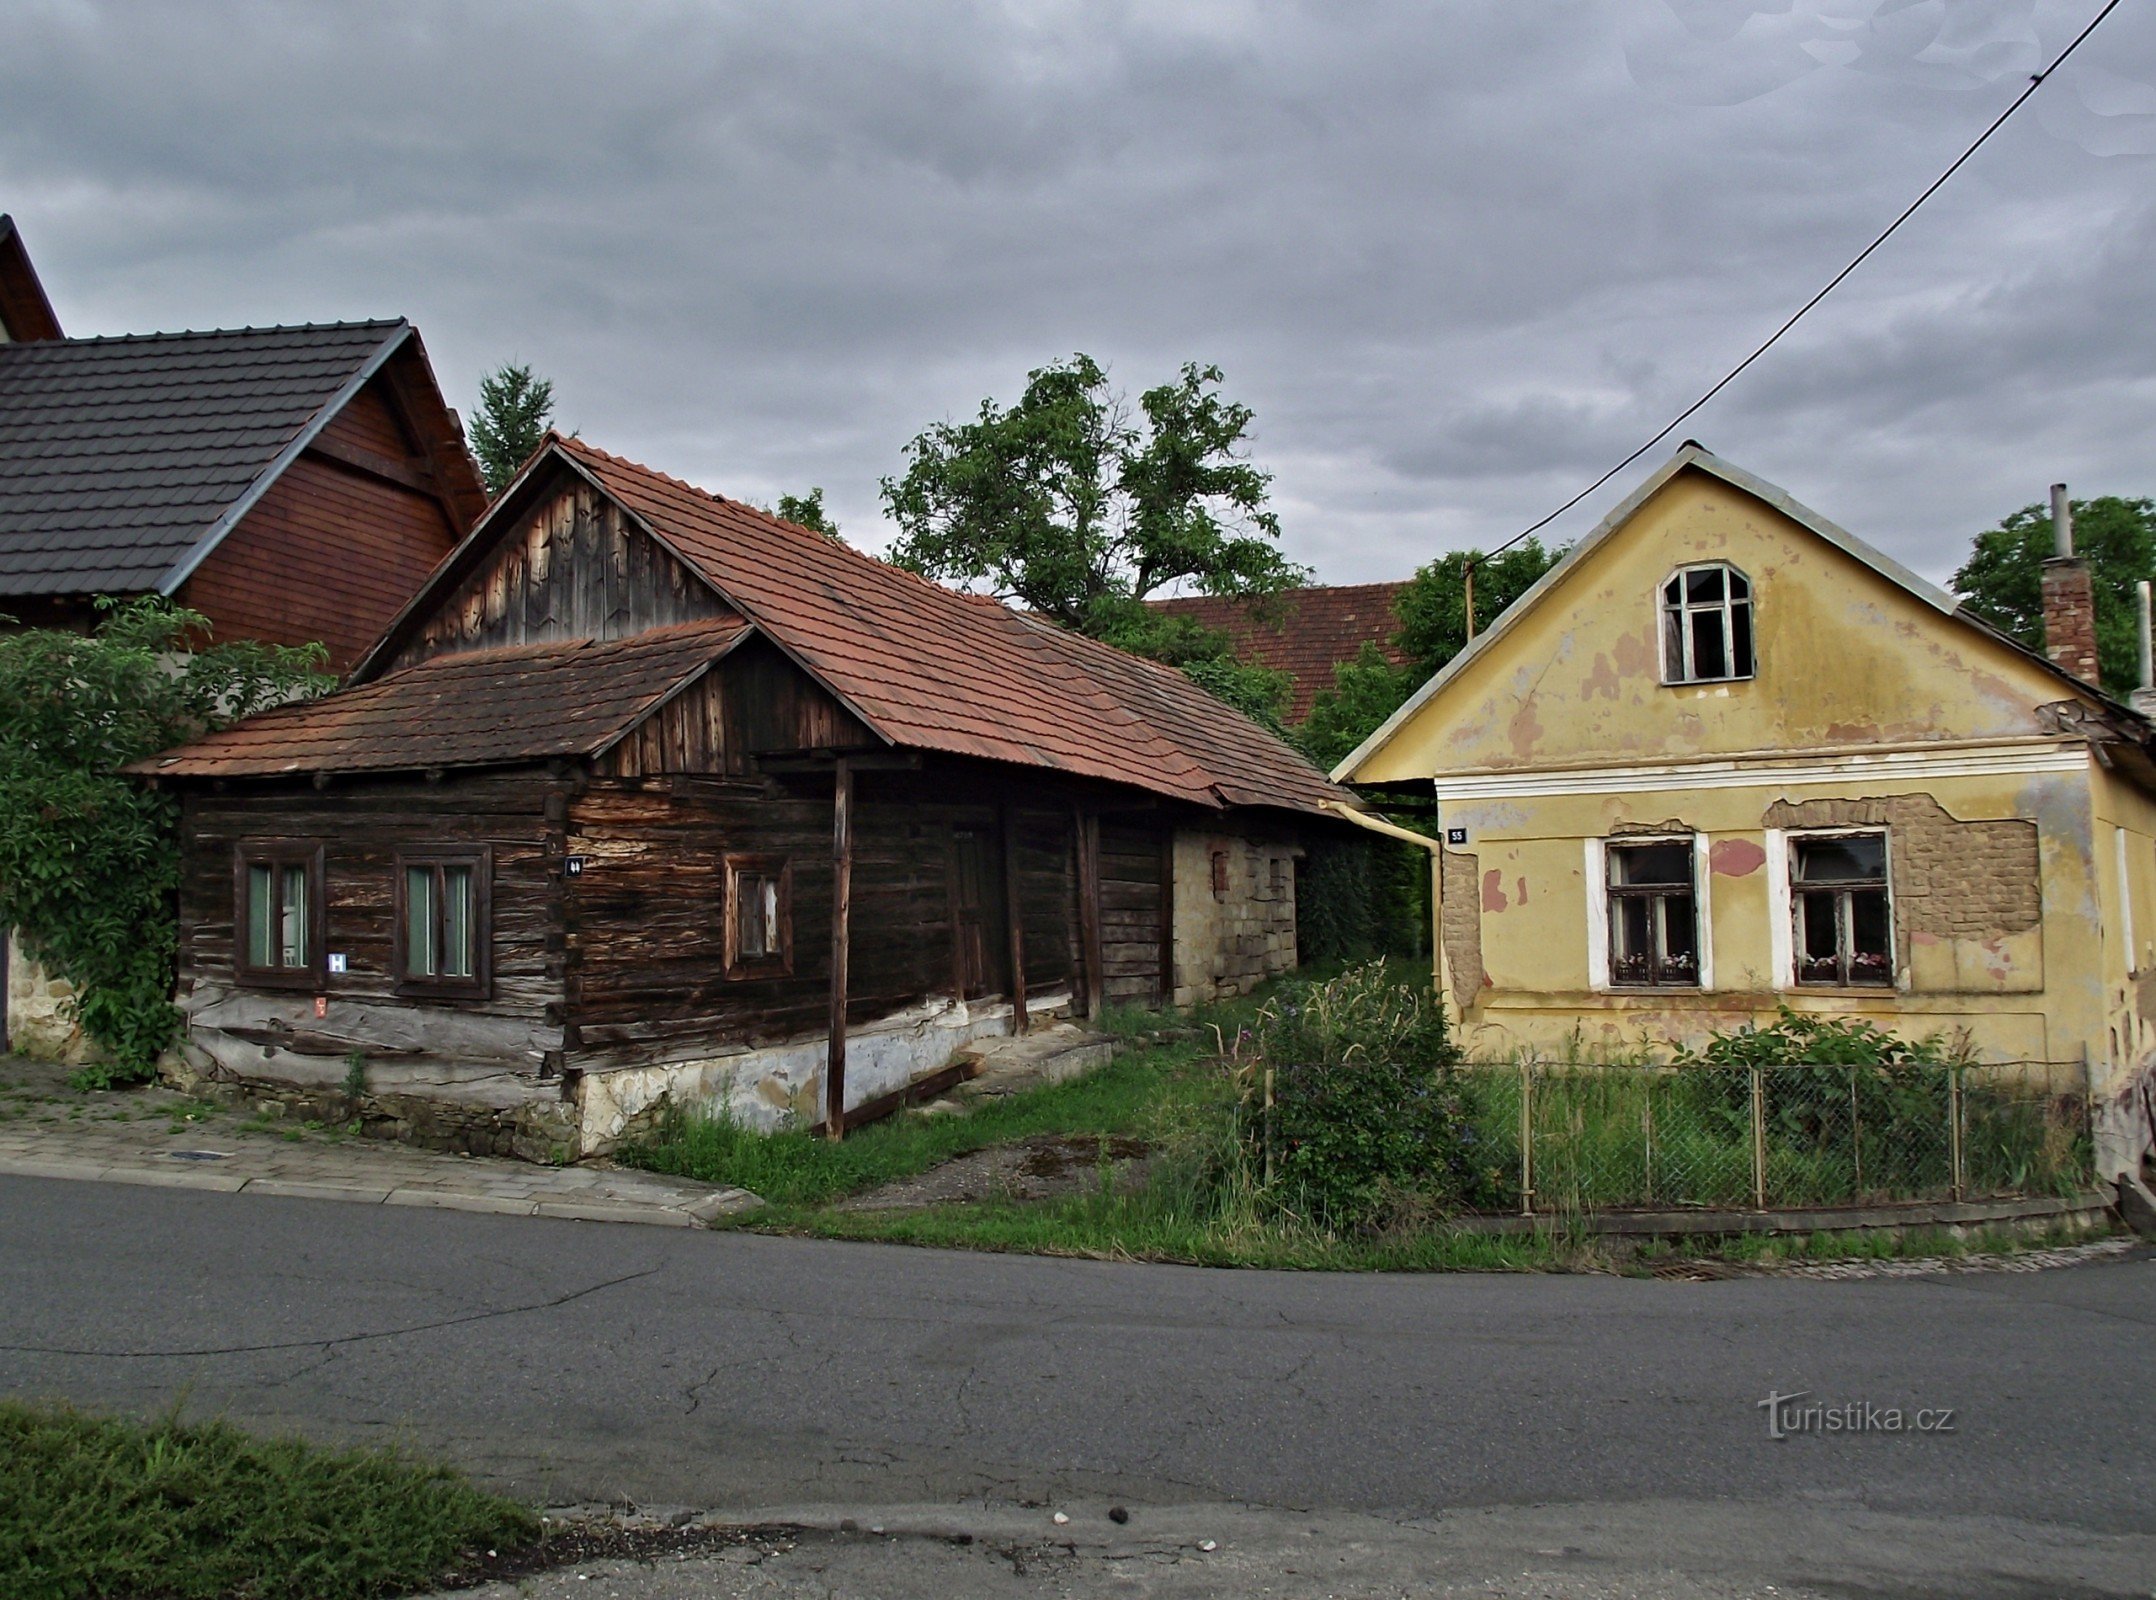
x=471, y=709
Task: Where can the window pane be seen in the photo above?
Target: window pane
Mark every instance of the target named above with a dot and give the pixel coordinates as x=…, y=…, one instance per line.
x=292, y=928
x=750, y=937
x=1740, y=587
x=421, y=924
x=1631, y=940
x=1871, y=937
x=1710, y=654
x=261, y=915
x=1673, y=645
x=456, y=951
x=1651, y=863
x=1679, y=957
x=769, y=905
x=1858, y=858
x=1819, y=955
x=1740, y=649
x=1673, y=592
x=1703, y=585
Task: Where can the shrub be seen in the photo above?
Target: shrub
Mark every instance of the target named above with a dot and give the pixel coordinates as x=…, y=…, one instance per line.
x=89, y=857
x=1367, y=1120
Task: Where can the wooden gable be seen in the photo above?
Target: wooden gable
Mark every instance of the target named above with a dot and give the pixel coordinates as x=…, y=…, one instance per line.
x=570, y=566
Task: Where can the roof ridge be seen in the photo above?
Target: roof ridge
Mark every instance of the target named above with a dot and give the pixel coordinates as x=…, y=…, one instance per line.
x=384, y=323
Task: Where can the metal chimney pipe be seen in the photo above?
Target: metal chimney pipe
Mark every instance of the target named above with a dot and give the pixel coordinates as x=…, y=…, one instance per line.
x=2148, y=654
x=2062, y=521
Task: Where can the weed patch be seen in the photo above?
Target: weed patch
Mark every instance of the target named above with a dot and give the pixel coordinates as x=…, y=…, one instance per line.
x=93, y=1506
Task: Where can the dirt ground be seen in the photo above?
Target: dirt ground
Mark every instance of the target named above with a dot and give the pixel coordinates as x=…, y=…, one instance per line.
x=1048, y=1166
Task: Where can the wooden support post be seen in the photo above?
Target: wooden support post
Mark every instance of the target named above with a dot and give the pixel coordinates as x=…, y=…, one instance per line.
x=1013, y=914
x=1088, y=830
x=834, y=1072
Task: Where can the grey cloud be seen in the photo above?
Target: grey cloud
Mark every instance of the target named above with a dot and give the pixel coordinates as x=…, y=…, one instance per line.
x=1457, y=258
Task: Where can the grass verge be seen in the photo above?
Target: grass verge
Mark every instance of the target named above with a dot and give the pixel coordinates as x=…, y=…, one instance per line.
x=95, y=1506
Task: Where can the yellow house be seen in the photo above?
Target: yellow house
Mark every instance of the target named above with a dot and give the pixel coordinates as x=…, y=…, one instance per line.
x=1726, y=757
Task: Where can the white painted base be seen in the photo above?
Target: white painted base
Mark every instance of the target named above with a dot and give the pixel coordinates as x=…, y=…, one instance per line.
x=781, y=1086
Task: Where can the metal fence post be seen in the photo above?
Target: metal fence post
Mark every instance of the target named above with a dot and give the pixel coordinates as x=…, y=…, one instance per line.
x=1527, y=1140
x=1856, y=1138
x=1759, y=1141
x=1646, y=1121
x=1953, y=1126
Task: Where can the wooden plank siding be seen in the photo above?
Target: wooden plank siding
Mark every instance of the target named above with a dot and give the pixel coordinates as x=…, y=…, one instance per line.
x=572, y=568
x=646, y=916
x=361, y=826
x=327, y=553
x=1130, y=906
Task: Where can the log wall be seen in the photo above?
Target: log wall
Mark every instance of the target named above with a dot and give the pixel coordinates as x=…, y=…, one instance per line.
x=573, y=567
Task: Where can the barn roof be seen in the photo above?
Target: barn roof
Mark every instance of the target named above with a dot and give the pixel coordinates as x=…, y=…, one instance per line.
x=475, y=708
x=930, y=668
x=123, y=461
x=1304, y=633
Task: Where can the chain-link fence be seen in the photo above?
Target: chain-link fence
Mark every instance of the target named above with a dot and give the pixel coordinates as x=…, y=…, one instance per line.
x=1558, y=1137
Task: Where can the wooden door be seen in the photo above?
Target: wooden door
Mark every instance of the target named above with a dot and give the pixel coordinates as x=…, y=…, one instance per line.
x=980, y=960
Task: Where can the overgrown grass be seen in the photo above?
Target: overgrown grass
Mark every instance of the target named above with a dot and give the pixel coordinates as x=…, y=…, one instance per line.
x=98, y=1507
x=1143, y=1094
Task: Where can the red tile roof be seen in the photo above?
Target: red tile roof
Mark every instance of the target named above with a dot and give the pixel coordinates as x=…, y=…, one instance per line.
x=935, y=669
x=477, y=708
x=1304, y=633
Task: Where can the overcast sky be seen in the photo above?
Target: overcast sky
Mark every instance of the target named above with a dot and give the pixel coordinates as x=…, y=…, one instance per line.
x=1458, y=256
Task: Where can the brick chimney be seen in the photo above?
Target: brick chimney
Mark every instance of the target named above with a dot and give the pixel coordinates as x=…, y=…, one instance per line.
x=2069, y=597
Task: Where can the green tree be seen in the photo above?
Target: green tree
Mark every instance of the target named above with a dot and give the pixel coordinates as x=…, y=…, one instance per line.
x=1432, y=609
x=514, y=411
x=1069, y=505
x=806, y=511
x=2003, y=578
x=89, y=857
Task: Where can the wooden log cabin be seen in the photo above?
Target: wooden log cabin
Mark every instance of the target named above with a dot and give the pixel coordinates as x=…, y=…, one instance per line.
x=651, y=799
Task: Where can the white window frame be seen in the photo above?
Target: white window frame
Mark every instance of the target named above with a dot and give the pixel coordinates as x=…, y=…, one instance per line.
x=1673, y=674
x=1598, y=913
x=1782, y=898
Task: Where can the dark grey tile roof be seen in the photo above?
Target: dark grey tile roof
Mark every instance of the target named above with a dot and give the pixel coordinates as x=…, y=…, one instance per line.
x=118, y=455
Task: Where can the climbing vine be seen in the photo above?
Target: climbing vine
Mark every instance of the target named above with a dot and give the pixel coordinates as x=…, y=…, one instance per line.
x=89, y=856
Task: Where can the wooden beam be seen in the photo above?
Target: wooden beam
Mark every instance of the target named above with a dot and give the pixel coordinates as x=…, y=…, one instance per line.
x=1088, y=831
x=1013, y=915
x=834, y=1072
x=1165, y=996
x=389, y=470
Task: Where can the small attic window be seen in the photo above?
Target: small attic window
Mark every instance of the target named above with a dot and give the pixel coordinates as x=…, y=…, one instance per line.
x=1706, y=625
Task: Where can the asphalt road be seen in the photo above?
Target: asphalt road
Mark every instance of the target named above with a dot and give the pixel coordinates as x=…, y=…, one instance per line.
x=577, y=1361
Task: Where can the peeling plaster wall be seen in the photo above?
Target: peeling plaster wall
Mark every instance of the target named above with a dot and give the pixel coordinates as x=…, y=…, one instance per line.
x=1227, y=942
x=1460, y=925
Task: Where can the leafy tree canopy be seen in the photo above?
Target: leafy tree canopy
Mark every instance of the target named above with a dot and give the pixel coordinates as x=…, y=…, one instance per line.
x=2003, y=578
x=514, y=411
x=806, y=510
x=89, y=858
x=1071, y=505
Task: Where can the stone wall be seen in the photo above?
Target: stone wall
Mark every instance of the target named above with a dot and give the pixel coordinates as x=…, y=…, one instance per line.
x=40, y=1012
x=1460, y=923
x=1234, y=911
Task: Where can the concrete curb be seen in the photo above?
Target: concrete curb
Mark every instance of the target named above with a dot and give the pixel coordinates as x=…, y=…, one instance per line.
x=700, y=1212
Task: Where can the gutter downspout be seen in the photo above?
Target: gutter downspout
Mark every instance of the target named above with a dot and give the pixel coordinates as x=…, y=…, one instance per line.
x=1436, y=848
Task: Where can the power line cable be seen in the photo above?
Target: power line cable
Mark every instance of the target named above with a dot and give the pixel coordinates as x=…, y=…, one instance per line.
x=2035, y=82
